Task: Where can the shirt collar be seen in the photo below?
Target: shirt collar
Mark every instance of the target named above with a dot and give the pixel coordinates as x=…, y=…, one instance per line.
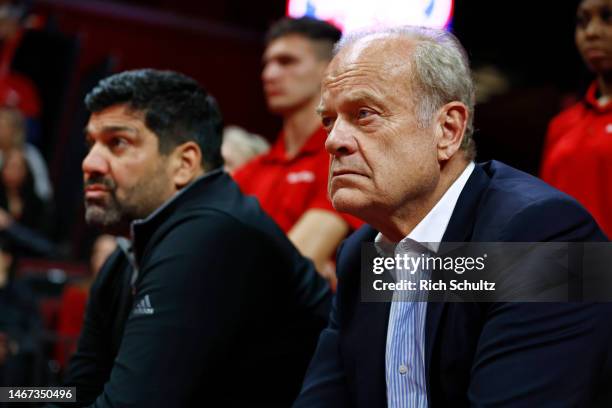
x=432, y=227
x=171, y=200
x=591, y=99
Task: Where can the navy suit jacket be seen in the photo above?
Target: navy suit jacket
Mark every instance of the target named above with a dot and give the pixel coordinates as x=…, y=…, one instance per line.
x=476, y=354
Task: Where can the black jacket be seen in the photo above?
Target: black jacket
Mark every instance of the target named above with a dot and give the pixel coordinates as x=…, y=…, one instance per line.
x=223, y=310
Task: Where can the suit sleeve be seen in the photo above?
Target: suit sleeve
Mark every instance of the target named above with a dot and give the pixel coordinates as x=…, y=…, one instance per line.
x=543, y=354
x=186, y=310
x=325, y=382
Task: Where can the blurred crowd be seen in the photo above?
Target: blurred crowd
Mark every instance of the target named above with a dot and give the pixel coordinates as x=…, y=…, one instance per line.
x=48, y=261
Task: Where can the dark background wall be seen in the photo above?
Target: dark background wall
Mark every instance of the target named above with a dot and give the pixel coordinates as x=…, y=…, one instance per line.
x=220, y=43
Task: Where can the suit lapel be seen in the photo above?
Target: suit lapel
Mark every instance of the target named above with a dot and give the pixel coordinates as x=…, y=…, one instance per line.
x=459, y=229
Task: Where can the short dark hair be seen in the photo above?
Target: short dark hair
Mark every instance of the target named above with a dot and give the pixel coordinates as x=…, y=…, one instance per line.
x=315, y=30
x=176, y=108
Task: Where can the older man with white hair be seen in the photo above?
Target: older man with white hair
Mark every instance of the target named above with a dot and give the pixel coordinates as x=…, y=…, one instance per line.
x=398, y=105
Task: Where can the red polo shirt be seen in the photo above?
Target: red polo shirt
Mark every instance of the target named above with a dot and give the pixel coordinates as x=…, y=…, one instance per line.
x=287, y=188
x=578, y=156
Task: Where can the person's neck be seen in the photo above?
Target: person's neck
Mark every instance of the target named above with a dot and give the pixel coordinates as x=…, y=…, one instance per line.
x=604, y=82
x=298, y=126
x=397, y=225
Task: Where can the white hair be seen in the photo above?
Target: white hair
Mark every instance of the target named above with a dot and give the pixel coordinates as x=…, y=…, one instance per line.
x=440, y=73
x=241, y=145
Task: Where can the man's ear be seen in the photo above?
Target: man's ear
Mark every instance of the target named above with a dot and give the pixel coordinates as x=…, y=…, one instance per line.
x=186, y=164
x=451, y=125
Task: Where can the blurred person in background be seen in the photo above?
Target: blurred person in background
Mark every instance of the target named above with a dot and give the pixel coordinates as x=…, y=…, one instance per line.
x=13, y=135
x=290, y=181
x=24, y=217
x=240, y=146
x=19, y=325
x=74, y=299
x=578, y=148
x=17, y=90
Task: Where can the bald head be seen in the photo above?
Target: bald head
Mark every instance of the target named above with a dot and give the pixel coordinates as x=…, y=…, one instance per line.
x=382, y=57
x=438, y=68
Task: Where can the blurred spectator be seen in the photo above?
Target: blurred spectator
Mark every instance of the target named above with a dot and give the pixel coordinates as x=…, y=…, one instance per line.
x=489, y=81
x=579, y=140
x=20, y=349
x=12, y=135
x=23, y=216
x=290, y=181
x=240, y=146
x=17, y=90
x=74, y=300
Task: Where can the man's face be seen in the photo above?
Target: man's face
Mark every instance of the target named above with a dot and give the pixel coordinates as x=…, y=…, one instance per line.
x=125, y=176
x=381, y=162
x=594, y=34
x=291, y=74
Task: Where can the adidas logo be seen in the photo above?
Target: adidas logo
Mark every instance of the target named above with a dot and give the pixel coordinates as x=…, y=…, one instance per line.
x=143, y=307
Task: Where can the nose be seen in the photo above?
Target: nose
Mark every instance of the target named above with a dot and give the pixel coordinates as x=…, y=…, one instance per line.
x=95, y=163
x=340, y=140
x=270, y=72
x=593, y=27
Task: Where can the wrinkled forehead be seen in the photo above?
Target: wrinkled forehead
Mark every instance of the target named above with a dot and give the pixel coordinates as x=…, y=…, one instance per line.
x=383, y=55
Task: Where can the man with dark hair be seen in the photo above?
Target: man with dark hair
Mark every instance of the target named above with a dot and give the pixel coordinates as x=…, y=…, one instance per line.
x=208, y=296
x=290, y=181
x=322, y=35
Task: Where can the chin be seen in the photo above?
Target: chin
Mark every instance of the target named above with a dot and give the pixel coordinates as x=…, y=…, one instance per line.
x=349, y=201
x=278, y=107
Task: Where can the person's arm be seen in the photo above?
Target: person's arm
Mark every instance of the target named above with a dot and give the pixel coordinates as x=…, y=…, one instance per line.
x=190, y=303
x=316, y=235
x=40, y=174
x=540, y=354
x=325, y=383
x=543, y=354
x=89, y=367
x=26, y=238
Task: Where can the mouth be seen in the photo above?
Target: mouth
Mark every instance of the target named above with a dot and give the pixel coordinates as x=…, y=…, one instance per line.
x=271, y=92
x=594, y=53
x=96, y=191
x=346, y=172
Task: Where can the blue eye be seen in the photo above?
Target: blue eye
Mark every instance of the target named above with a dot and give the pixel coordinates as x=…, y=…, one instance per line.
x=363, y=113
x=327, y=122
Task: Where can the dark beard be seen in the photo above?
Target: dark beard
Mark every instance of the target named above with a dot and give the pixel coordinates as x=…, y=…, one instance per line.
x=112, y=214
x=107, y=214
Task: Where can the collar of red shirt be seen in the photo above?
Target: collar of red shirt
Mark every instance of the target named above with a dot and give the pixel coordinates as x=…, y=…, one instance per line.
x=314, y=145
x=591, y=100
